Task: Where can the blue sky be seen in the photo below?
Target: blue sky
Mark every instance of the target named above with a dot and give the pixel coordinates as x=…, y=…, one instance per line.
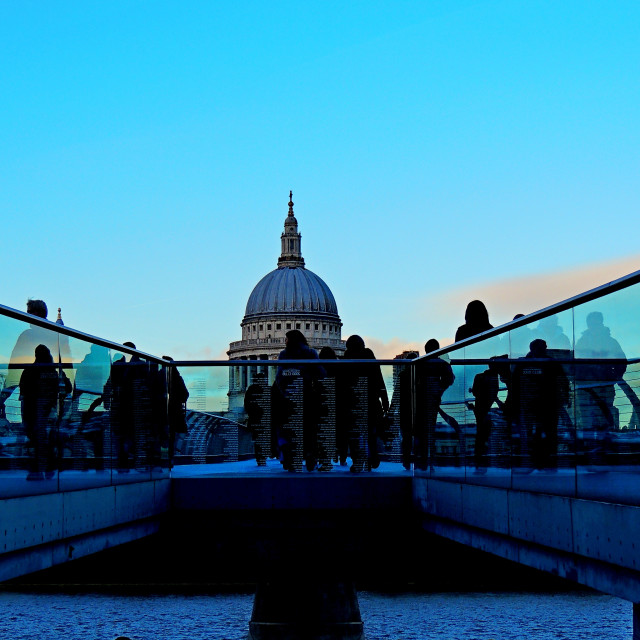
x=437, y=152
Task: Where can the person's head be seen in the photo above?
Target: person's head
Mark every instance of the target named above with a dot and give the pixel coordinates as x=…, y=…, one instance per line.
x=167, y=358
x=518, y=315
x=129, y=344
x=595, y=319
x=412, y=355
x=43, y=355
x=295, y=338
x=327, y=353
x=431, y=345
x=355, y=343
x=538, y=348
x=37, y=308
x=476, y=313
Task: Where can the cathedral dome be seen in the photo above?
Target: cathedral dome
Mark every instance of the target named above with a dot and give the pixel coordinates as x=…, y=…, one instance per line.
x=287, y=298
x=291, y=290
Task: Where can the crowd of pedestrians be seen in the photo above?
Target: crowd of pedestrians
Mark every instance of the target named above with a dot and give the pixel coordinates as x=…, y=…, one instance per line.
x=318, y=413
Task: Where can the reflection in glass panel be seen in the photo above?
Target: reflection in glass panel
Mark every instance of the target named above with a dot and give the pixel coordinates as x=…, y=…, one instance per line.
x=84, y=425
x=540, y=405
x=32, y=391
x=324, y=415
x=607, y=402
x=215, y=418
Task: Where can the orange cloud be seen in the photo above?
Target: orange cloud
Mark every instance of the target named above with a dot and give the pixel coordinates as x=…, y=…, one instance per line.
x=387, y=350
x=505, y=298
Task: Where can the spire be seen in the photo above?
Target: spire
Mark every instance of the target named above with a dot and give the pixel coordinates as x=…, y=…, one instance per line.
x=59, y=319
x=291, y=255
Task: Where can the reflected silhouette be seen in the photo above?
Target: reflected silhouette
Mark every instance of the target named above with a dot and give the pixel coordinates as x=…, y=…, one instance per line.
x=89, y=426
x=517, y=341
x=476, y=320
x=29, y=339
x=551, y=332
x=595, y=386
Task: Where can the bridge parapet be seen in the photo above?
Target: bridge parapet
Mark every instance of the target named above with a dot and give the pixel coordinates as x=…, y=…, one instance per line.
x=587, y=541
x=38, y=532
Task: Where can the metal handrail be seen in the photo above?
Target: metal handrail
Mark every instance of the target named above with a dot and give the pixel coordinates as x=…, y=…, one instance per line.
x=569, y=303
x=74, y=333
x=592, y=294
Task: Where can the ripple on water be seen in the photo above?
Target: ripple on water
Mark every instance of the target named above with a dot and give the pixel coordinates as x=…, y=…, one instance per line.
x=407, y=616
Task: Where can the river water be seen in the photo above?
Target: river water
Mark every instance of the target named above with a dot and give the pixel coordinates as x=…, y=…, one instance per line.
x=45, y=615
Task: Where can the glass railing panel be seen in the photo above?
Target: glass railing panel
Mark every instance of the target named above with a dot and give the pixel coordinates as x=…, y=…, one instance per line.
x=135, y=397
x=540, y=405
x=31, y=402
x=607, y=403
x=84, y=427
x=279, y=417
x=213, y=428
x=488, y=442
x=440, y=416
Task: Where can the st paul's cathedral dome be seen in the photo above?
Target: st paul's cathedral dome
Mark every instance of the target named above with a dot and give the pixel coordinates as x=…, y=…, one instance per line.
x=289, y=297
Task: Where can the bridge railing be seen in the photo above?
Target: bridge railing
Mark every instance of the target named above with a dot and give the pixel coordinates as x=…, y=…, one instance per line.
x=547, y=403
x=76, y=411
x=559, y=415
x=294, y=415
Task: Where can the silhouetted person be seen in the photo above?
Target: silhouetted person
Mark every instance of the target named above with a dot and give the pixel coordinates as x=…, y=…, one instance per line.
x=128, y=397
x=405, y=391
x=255, y=399
x=476, y=320
x=540, y=390
x=433, y=377
x=332, y=435
x=176, y=406
x=40, y=388
x=485, y=391
x=595, y=383
x=294, y=403
x=342, y=405
x=368, y=402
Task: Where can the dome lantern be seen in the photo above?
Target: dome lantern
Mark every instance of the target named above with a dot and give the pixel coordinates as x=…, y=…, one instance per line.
x=291, y=241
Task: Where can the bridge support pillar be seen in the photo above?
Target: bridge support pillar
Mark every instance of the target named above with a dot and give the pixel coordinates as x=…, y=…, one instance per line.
x=308, y=610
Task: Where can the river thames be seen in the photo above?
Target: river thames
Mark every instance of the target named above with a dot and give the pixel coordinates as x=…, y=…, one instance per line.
x=49, y=614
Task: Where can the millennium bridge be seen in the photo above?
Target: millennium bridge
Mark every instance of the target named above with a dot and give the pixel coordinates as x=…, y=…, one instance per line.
x=529, y=451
